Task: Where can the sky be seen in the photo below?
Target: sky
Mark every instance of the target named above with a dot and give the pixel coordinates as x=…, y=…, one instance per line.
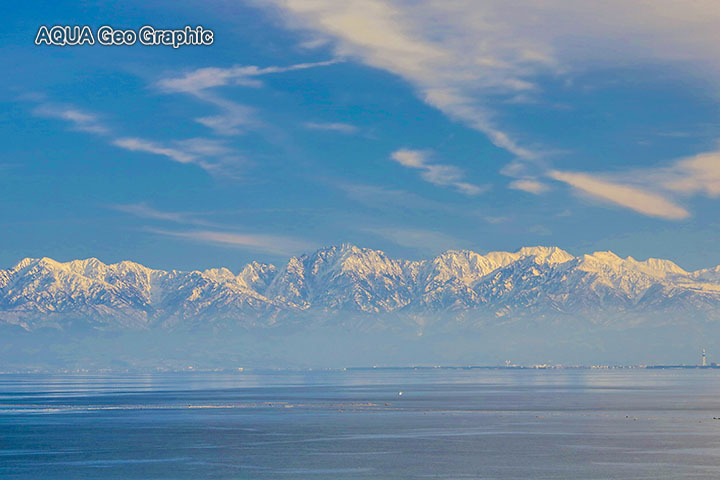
x=413, y=127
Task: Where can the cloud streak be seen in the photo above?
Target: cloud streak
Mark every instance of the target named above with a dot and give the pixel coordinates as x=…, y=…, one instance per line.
x=146, y=146
x=460, y=54
x=82, y=121
x=333, y=127
x=213, y=234
x=455, y=58
x=652, y=191
x=530, y=186
x=695, y=175
x=632, y=197
x=234, y=118
x=466, y=57
x=435, y=173
x=274, y=244
x=212, y=155
x=141, y=210
x=204, y=78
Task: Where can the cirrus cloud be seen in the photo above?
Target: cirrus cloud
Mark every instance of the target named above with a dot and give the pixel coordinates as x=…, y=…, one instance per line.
x=273, y=244
x=628, y=196
x=530, y=186
x=436, y=173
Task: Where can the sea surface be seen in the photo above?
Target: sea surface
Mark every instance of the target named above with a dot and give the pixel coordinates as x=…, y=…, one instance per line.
x=446, y=424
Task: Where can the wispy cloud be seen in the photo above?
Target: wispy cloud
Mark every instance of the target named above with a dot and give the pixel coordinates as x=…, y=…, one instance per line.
x=530, y=186
x=459, y=53
x=453, y=57
x=147, y=146
x=211, y=155
x=82, y=121
x=142, y=210
x=246, y=76
x=468, y=58
x=274, y=244
x=333, y=127
x=652, y=191
x=234, y=118
x=207, y=232
x=695, y=175
x=628, y=196
x=435, y=173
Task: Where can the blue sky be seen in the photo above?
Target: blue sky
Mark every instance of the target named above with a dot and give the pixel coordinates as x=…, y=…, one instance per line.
x=412, y=127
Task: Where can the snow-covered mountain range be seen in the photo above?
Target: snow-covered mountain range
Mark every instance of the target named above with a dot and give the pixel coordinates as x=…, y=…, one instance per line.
x=534, y=282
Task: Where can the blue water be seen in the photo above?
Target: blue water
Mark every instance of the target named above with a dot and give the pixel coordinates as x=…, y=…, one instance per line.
x=449, y=424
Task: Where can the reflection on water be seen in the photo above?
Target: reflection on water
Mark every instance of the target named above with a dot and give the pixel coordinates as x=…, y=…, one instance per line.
x=496, y=424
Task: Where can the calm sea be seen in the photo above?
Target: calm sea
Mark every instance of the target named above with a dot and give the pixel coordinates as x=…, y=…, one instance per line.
x=450, y=424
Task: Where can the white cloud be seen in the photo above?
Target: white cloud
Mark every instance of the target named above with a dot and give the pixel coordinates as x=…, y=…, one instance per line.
x=451, y=56
x=334, y=127
x=274, y=244
x=141, y=210
x=500, y=46
x=211, y=77
x=435, y=173
x=628, y=196
x=234, y=118
x=206, y=147
x=530, y=186
x=464, y=56
x=211, y=155
x=651, y=191
x=83, y=121
x=698, y=174
x=147, y=146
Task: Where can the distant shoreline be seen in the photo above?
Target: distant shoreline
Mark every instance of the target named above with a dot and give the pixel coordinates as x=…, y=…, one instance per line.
x=261, y=370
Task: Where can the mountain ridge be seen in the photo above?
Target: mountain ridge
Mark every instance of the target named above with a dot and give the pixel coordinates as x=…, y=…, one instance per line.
x=535, y=282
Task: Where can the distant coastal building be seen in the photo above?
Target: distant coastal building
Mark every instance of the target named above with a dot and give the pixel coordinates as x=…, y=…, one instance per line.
x=703, y=363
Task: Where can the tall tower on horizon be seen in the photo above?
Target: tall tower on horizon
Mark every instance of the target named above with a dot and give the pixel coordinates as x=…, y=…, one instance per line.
x=704, y=358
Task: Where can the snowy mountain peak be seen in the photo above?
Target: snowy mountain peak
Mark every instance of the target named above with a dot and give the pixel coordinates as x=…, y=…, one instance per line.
x=90, y=267
x=257, y=276
x=219, y=274
x=546, y=254
x=662, y=265
x=603, y=257
x=711, y=275
x=530, y=281
x=24, y=263
x=29, y=263
x=608, y=261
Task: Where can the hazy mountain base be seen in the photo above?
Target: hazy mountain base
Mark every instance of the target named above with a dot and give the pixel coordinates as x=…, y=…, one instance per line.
x=338, y=341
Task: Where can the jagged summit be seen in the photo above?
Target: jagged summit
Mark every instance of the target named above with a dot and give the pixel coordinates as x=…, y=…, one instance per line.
x=546, y=254
x=536, y=280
